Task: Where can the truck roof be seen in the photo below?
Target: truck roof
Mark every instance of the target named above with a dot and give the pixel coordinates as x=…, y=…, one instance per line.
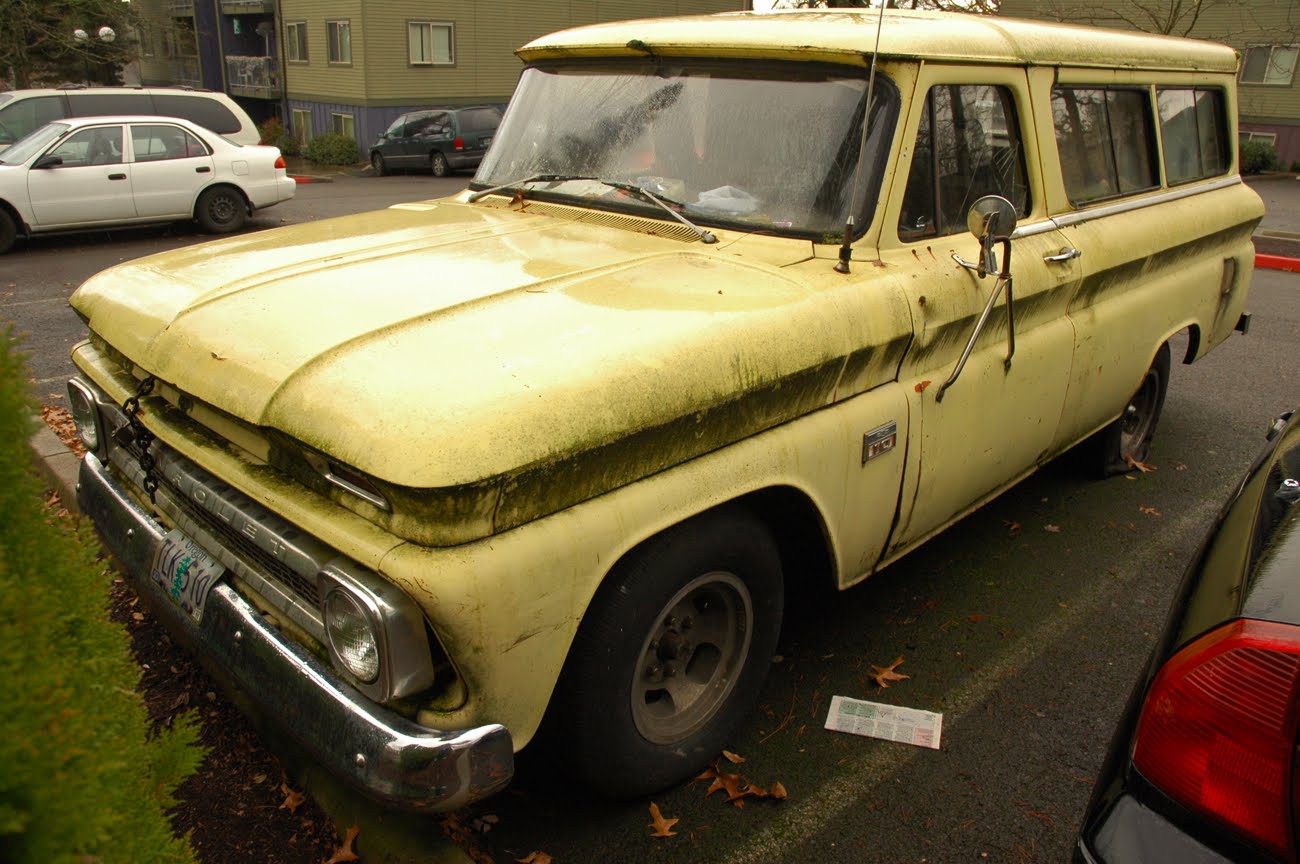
x=849, y=36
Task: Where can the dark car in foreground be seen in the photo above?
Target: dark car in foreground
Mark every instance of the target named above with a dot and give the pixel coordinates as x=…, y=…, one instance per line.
x=1203, y=766
x=442, y=140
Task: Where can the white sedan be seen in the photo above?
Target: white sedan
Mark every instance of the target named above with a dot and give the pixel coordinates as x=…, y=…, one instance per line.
x=92, y=172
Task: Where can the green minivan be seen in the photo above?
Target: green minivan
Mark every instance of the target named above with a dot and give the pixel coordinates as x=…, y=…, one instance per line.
x=440, y=139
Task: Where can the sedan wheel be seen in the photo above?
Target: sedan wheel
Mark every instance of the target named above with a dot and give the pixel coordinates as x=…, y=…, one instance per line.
x=8, y=231
x=221, y=210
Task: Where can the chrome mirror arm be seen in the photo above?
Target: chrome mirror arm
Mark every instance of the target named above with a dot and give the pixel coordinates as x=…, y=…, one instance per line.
x=1003, y=283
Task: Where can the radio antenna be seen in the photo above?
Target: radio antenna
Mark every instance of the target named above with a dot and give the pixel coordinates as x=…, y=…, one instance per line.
x=846, y=250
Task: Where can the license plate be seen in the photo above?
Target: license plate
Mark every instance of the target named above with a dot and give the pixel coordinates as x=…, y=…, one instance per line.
x=185, y=572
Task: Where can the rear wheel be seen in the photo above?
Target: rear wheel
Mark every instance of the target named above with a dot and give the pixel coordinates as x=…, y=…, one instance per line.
x=438, y=165
x=221, y=209
x=8, y=231
x=671, y=655
x=1128, y=440
x=377, y=162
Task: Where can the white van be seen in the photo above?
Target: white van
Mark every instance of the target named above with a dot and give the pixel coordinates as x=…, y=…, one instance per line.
x=21, y=111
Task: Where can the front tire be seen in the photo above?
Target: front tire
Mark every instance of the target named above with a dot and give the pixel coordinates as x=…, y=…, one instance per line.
x=377, y=162
x=8, y=231
x=1128, y=440
x=221, y=210
x=438, y=165
x=671, y=655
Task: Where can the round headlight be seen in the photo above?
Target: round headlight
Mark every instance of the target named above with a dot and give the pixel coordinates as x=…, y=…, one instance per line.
x=352, y=636
x=81, y=403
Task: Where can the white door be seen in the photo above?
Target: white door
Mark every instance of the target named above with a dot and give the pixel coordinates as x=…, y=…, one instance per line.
x=170, y=165
x=92, y=185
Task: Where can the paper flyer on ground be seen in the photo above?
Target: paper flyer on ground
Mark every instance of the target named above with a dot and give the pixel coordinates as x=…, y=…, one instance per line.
x=890, y=722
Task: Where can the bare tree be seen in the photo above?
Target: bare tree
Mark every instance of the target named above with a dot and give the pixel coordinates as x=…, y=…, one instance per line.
x=978, y=7
x=1222, y=20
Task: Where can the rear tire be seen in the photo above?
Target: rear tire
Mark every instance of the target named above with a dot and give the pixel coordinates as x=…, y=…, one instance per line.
x=671, y=655
x=438, y=165
x=8, y=231
x=221, y=210
x=1128, y=439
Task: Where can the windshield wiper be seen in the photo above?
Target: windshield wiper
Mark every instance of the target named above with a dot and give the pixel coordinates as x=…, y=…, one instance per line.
x=631, y=188
x=535, y=178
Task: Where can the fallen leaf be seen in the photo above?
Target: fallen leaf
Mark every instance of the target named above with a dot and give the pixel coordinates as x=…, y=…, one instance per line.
x=975, y=617
x=344, y=852
x=732, y=757
x=1052, y=529
x=778, y=791
x=1013, y=528
x=1141, y=466
x=535, y=857
x=662, y=827
x=920, y=388
x=1150, y=511
x=884, y=674
x=292, y=800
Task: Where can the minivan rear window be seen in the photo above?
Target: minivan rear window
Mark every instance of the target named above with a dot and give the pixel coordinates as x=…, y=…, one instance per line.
x=208, y=113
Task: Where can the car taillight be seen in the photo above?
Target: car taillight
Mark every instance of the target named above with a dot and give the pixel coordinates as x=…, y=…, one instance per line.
x=1218, y=729
x=459, y=143
x=280, y=163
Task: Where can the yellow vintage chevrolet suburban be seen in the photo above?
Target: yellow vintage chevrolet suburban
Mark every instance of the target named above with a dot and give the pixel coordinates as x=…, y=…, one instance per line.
x=734, y=305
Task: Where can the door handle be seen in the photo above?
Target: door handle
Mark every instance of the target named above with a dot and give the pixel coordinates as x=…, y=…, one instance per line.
x=1067, y=253
x=202, y=170
x=116, y=176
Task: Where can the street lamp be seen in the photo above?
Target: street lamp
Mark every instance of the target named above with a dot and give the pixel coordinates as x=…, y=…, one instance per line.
x=104, y=34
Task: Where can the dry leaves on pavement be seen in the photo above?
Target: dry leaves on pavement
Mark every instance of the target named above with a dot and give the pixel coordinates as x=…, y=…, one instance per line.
x=882, y=675
x=662, y=827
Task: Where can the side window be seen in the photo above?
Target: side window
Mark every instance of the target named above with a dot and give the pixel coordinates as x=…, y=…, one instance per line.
x=152, y=143
x=95, y=104
x=1105, y=140
x=1193, y=133
x=479, y=120
x=968, y=145
x=99, y=145
x=203, y=110
x=26, y=115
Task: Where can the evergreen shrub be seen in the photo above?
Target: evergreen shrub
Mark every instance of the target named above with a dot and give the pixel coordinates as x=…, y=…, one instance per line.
x=332, y=149
x=82, y=778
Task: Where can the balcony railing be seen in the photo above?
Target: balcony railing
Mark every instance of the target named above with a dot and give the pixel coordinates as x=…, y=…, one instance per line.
x=247, y=7
x=181, y=7
x=253, y=76
x=185, y=71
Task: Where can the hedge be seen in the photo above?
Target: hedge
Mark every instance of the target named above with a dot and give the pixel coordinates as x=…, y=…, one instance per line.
x=81, y=777
x=332, y=149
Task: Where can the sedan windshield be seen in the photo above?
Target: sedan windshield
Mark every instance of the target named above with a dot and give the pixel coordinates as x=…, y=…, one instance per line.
x=758, y=146
x=27, y=146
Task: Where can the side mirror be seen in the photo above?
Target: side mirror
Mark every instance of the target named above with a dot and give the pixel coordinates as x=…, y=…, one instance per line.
x=48, y=161
x=991, y=219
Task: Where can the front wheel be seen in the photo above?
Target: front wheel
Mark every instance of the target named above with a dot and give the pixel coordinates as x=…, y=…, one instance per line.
x=1127, y=441
x=8, y=231
x=377, y=162
x=671, y=655
x=221, y=210
x=438, y=165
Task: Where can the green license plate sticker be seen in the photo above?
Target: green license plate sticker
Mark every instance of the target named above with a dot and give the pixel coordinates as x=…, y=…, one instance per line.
x=185, y=572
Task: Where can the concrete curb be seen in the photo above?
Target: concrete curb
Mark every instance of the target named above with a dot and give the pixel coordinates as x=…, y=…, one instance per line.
x=57, y=464
x=1278, y=262
x=310, y=178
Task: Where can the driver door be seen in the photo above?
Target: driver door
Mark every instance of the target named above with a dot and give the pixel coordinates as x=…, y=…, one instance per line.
x=997, y=420
x=92, y=185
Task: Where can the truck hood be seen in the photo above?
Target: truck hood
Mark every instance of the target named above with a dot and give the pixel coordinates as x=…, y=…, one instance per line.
x=482, y=351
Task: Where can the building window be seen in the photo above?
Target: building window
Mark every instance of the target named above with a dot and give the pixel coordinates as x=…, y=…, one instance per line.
x=430, y=43
x=338, y=38
x=301, y=119
x=1269, y=64
x=1269, y=138
x=295, y=38
x=343, y=124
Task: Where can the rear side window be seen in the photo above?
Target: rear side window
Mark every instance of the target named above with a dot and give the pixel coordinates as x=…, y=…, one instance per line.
x=1106, y=141
x=24, y=115
x=95, y=104
x=479, y=119
x=1193, y=133
x=968, y=145
x=154, y=143
x=208, y=113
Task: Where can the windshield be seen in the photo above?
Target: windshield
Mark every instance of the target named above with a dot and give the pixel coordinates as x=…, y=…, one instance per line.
x=758, y=146
x=27, y=146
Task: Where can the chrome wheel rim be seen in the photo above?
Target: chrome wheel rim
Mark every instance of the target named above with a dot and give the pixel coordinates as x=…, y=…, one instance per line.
x=692, y=657
x=1136, y=424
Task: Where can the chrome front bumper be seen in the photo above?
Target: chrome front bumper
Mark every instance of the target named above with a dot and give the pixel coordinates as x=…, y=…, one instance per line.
x=382, y=753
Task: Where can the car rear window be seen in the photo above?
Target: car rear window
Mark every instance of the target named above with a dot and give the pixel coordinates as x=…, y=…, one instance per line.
x=479, y=119
x=208, y=113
